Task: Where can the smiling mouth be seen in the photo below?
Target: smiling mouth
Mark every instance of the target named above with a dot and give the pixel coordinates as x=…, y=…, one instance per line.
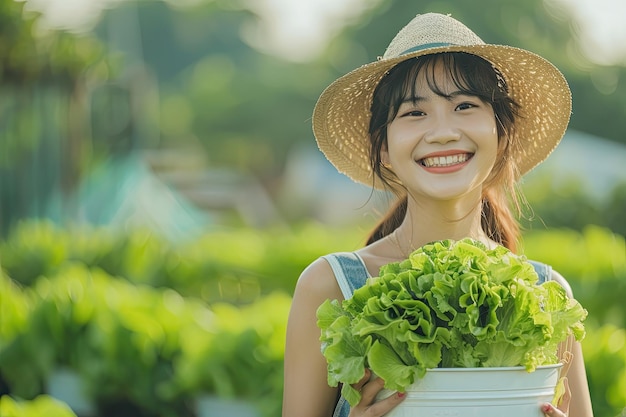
x=445, y=161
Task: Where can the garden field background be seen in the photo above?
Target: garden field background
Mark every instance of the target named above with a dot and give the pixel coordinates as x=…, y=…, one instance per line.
x=161, y=192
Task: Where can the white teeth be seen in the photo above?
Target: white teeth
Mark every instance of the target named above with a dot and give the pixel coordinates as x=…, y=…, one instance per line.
x=442, y=161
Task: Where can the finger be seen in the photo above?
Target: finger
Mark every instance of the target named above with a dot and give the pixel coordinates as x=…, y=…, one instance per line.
x=382, y=407
x=366, y=377
x=563, y=405
x=371, y=389
x=551, y=411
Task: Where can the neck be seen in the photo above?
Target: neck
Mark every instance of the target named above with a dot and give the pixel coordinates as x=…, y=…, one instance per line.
x=444, y=220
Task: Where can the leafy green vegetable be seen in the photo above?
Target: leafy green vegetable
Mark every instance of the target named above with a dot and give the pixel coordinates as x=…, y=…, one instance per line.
x=450, y=304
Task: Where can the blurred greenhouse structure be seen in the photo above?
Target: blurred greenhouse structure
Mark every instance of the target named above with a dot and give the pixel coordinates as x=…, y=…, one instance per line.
x=161, y=191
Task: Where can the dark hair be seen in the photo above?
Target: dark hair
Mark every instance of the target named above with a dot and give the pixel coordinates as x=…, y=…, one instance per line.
x=474, y=76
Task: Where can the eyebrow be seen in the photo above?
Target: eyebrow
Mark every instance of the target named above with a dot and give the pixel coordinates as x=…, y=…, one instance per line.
x=417, y=99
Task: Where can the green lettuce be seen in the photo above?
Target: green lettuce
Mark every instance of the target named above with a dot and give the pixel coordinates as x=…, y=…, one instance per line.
x=450, y=304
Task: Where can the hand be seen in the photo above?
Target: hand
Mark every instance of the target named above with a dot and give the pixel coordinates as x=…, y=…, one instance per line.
x=563, y=408
x=368, y=406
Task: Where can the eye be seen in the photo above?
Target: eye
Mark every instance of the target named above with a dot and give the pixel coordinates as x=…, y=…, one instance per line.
x=465, y=106
x=412, y=113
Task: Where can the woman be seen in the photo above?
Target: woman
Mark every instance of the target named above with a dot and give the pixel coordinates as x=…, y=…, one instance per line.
x=449, y=124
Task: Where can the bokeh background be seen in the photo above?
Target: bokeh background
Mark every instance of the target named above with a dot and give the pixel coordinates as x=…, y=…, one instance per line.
x=161, y=191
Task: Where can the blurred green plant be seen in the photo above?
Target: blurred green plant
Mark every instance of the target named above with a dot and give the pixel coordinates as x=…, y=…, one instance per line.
x=121, y=338
x=43, y=405
x=243, y=356
x=139, y=350
x=231, y=265
x=15, y=308
x=135, y=338
x=31, y=55
x=605, y=359
x=568, y=204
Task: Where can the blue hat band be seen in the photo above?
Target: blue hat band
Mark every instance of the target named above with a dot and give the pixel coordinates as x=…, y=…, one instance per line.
x=426, y=46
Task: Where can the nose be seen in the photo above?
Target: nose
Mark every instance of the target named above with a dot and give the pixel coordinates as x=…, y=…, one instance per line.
x=441, y=129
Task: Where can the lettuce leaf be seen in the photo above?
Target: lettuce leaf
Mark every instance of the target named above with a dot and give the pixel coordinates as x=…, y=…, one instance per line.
x=345, y=352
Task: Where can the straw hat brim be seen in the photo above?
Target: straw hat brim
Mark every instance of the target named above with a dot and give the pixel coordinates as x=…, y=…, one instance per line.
x=342, y=113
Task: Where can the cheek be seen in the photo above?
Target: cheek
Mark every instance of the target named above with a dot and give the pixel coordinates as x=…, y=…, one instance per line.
x=400, y=137
x=489, y=133
x=492, y=147
x=486, y=126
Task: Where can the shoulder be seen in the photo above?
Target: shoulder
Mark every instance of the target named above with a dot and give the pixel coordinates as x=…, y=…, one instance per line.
x=557, y=277
x=318, y=281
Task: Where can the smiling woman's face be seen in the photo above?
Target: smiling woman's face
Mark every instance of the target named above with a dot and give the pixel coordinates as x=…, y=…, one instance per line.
x=468, y=83
x=442, y=142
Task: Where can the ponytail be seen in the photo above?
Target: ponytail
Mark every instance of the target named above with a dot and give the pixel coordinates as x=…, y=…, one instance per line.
x=390, y=222
x=498, y=221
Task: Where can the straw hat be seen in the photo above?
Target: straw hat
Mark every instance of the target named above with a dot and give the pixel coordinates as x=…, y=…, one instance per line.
x=342, y=113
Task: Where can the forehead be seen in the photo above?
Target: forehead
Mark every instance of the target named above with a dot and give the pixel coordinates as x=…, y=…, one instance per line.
x=436, y=75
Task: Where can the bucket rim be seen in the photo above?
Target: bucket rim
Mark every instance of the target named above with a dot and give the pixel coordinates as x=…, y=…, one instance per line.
x=494, y=368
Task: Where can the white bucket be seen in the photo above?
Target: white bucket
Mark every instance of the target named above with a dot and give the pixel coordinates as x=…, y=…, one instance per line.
x=478, y=392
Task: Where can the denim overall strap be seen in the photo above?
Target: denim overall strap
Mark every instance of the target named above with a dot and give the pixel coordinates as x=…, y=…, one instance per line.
x=349, y=270
x=543, y=271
